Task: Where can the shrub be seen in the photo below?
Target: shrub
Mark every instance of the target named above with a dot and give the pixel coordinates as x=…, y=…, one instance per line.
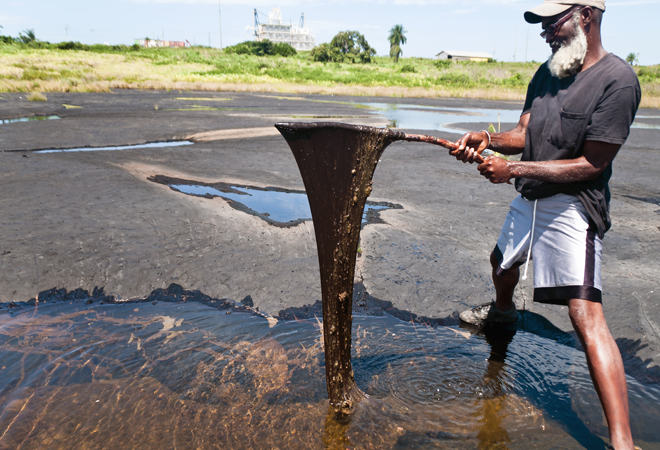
x=346, y=46
x=283, y=49
x=408, y=69
x=71, y=46
x=326, y=53
x=649, y=74
x=28, y=37
x=442, y=63
x=261, y=48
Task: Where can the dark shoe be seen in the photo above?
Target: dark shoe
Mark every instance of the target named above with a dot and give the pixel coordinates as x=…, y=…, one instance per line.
x=488, y=313
x=609, y=447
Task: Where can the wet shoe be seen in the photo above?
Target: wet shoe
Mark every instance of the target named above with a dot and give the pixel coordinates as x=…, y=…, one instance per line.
x=488, y=313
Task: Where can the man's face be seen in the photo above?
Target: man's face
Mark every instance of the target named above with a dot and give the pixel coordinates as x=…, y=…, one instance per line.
x=568, y=42
x=566, y=32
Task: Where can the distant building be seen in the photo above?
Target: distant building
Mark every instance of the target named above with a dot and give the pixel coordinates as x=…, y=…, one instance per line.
x=146, y=42
x=275, y=31
x=464, y=56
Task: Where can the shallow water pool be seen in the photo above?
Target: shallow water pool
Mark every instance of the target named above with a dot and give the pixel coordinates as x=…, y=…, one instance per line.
x=190, y=376
x=277, y=205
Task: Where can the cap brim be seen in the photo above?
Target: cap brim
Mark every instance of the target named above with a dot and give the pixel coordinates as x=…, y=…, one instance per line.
x=538, y=14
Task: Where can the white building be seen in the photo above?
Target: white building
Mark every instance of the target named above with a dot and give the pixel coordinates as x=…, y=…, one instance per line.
x=464, y=56
x=146, y=42
x=276, y=31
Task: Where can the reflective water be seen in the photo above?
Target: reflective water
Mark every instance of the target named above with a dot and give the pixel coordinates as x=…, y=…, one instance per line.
x=120, y=147
x=442, y=119
x=190, y=376
x=277, y=205
x=421, y=117
x=27, y=119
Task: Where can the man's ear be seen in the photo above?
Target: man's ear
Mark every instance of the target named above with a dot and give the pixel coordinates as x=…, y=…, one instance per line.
x=587, y=15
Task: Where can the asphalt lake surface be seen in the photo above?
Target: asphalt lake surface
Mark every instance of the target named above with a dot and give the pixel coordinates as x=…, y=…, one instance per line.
x=216, y=374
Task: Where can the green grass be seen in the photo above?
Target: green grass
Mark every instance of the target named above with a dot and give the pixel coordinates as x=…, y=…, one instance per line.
x=43, y=67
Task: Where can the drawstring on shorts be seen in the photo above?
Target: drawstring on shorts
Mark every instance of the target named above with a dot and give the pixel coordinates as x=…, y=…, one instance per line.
x=531, y=240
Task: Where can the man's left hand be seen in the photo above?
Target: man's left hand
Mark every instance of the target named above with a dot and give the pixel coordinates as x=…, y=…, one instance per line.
x=496, y=169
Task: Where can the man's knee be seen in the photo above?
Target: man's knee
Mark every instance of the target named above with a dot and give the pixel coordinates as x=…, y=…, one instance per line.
x=512, y=274
x=494, y=261
x=586, y=315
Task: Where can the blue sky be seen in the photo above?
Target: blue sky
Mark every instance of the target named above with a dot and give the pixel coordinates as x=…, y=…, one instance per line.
x=496, y=27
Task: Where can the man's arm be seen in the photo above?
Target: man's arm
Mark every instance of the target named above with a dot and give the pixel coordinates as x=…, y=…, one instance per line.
x=595, y=158
x=508, y=143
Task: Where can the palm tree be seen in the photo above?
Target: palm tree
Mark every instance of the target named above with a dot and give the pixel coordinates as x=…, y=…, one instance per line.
x=397, y=39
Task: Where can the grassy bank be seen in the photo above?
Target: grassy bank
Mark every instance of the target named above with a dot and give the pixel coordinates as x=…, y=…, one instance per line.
x=101, y=68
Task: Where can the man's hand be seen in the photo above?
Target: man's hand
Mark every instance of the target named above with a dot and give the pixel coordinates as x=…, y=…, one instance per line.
x=470, y=147
x=497, y=170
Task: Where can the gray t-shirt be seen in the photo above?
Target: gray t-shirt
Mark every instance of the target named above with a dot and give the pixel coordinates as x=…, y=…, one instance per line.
x=598, y=104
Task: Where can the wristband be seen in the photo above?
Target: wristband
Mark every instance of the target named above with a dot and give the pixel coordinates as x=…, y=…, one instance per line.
x=487, y=134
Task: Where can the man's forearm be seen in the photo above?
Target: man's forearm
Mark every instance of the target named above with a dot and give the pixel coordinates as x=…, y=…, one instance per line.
x=508, y=143
x=511, y=142
x=563, y=171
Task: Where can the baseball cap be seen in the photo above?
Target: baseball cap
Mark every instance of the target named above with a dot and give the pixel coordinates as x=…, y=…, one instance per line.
x=551, y=8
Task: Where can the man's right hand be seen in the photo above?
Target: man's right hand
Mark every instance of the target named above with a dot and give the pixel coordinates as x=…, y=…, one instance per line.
x=470, y=147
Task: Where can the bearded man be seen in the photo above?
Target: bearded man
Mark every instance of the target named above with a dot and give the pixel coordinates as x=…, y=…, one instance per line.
x=577, y=114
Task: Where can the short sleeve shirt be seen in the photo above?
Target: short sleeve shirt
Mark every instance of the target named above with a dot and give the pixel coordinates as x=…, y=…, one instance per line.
x=598, y=104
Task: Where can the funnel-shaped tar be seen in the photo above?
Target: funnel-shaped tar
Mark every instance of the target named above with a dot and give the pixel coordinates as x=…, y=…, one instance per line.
x=337, y=163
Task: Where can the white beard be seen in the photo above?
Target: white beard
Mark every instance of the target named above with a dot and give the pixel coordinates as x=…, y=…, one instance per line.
x=569, y=58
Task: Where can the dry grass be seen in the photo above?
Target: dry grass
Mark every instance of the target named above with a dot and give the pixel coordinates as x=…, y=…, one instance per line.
x=38, y=71
x=37, y=97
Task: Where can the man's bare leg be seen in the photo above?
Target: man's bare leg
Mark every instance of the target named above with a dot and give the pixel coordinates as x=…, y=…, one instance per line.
x=505, y=284
x=606, y=368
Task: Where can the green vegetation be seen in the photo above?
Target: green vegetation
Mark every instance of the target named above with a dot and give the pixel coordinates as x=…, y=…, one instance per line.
x=70, y=66
x=632, y=59
x=396, y=38
x=346, y=46
x=262, y=48
x=28, y=37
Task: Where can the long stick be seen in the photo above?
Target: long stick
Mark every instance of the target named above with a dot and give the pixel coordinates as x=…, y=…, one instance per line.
x=437, y=141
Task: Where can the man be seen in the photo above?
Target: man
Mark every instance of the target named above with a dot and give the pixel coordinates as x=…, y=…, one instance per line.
x=577, y=114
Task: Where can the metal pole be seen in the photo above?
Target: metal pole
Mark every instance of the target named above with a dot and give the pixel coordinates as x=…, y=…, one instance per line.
x=516, y=49
x=220, y=19
x=527, y=44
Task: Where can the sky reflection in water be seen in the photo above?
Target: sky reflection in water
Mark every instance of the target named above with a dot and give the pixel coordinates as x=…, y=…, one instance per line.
x=420, y=117
x=280, y=206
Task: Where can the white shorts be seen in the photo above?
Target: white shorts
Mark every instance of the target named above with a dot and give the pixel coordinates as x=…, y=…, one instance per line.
x=565, y=250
